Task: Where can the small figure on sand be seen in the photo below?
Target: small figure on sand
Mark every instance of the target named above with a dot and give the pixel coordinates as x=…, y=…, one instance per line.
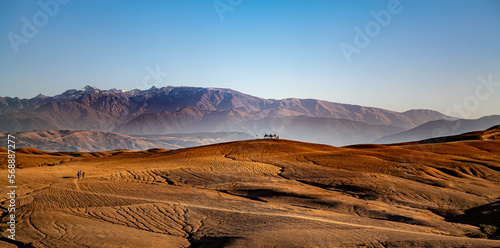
x=80, y=174
x=271, y=136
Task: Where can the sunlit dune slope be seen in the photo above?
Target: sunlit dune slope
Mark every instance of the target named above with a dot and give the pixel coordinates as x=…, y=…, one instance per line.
x=492, y=133
x=265, y=192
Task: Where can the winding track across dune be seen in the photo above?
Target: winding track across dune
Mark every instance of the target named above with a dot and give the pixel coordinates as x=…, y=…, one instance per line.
x=260, y=193
x=245, y=212
x=75, y=181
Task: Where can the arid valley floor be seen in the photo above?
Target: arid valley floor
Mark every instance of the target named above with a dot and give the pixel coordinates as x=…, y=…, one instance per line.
x=261, y=193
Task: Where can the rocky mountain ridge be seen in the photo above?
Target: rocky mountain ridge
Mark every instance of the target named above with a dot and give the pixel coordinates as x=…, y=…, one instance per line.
x=195, y=109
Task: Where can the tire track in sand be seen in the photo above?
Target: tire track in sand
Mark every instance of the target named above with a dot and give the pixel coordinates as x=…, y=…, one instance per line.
x=75, y=181
x=313, y=218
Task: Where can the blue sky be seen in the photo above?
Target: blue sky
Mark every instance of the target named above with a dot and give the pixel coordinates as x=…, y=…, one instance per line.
x=430, y=54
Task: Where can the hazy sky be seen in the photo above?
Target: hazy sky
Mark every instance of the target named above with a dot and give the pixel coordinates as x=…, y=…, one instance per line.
x=397, y=55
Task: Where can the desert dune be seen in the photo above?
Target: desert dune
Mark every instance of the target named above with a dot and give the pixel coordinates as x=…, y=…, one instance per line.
x=260, y=193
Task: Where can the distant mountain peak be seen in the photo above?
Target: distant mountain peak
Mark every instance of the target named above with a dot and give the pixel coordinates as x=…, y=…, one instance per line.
x=91, y=89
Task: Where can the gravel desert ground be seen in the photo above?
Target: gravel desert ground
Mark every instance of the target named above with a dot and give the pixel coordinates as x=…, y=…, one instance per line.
x=260, y=193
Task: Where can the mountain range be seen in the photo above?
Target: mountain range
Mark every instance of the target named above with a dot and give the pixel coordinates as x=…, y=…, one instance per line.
x=167, y=110
x=194, y=109
x=433, y=131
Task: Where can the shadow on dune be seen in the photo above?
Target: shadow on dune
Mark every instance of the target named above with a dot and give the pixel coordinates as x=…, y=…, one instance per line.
x=212, y=242
x=485, y=216
x=262, y=194
x=16, y=243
